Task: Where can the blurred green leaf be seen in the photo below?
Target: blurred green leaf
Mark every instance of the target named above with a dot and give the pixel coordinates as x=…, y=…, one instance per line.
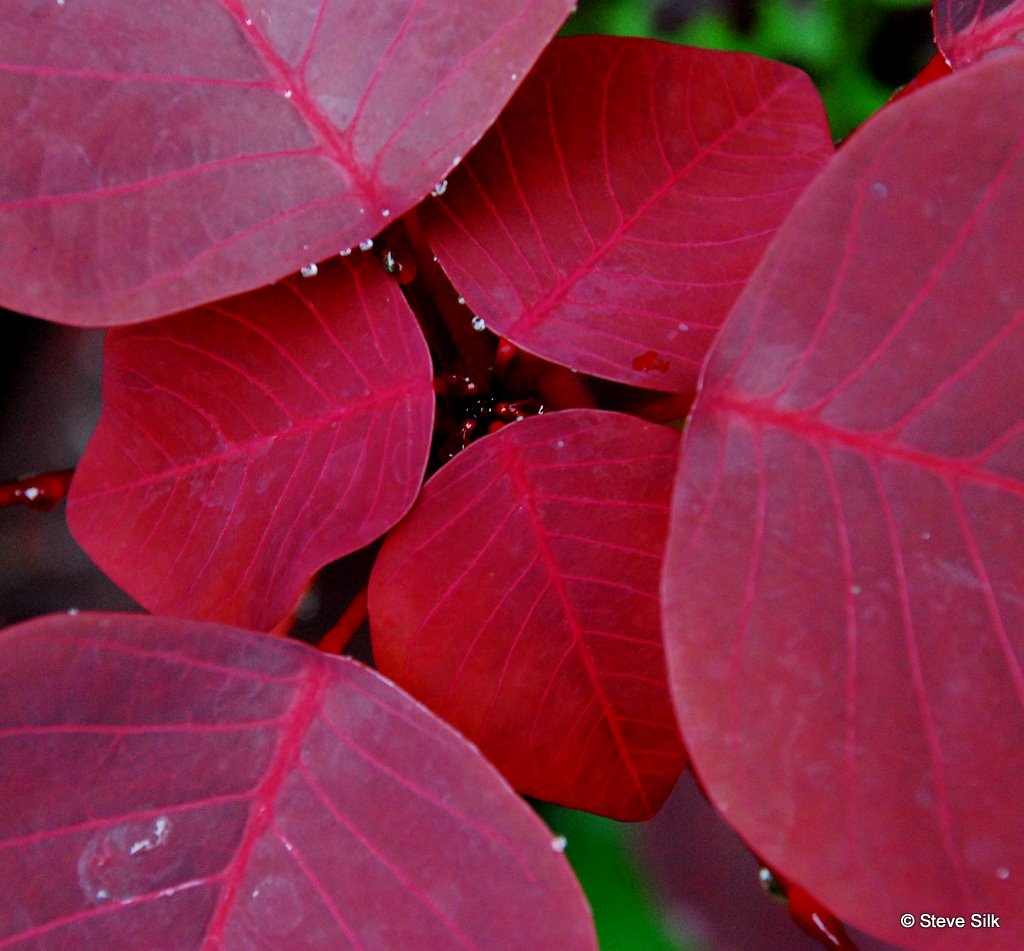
x=600, y=853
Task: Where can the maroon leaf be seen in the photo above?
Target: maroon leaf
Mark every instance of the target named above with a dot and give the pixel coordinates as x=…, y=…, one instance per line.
x=171, y=784
x=844, y=598
x=519, y=601
x=967, y=30
x=244, y=445
x=614, y=212
x=163, y=156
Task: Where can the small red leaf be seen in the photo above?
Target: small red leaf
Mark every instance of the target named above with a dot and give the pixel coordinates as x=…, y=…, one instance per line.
x=519, y=601
x=967, y=30
x=158, y=156
x=244, y=445
x=176, y=785
x=622, y=199
x=844, y=594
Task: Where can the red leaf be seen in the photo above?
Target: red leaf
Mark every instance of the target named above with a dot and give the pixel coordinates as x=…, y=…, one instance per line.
x=844, y=599
x=161, y=156
x=622, y=200
x=519, y=601
x=967, y=30
x=182, y=785
x=244, y=445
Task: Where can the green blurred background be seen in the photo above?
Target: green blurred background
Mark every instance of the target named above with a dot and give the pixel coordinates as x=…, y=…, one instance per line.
x=857, y=52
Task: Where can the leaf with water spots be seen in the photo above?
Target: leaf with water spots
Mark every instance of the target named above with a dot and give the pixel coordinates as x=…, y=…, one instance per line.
x=622, y=199
x=178, y=785
x=843, y=588
x=158, y=156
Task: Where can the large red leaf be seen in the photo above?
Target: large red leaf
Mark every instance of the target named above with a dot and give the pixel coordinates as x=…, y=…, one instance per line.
x=244, y=445
x=176, y=785
x=519, y=600
x=844, y=591
x=966, y=30
x=158, y=156
x=614, y=212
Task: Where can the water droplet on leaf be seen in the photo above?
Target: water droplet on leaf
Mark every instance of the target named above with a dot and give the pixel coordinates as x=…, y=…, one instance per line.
x=649, y=362
x=440, y=188
x=366, y=245
x=558, y=843
x=310, y=270
x=478, y=323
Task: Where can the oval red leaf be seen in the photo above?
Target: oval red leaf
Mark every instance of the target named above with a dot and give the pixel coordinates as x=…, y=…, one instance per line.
x=966, y=30
x=160, y=156
x=616, y=209
x=244, y=445
x=519, y=600
x=171, y=784
x=844, y=597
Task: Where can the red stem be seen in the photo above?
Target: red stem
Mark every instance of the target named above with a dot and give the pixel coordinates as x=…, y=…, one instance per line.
x=353, y=617
x=40, y=492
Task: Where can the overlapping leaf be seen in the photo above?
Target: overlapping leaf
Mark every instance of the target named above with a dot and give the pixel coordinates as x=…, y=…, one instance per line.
x=615, y=210
x=519, y=601
x=244, y=445
x=171, y=784
x=967, y=30
x=844, y=590
x=158, y=156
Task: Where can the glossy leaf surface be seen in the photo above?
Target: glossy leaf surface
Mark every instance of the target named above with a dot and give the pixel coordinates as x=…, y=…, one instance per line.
x=519, y=601
x=161, y=156
x=967, y=30
x=844, y=593
x=615, y=210
x=245, y=444
x=176, y=785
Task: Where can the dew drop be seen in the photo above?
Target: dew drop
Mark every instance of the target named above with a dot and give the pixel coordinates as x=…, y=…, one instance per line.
x=1002, y=873
x=366, y=245
x=31, y=493
x=515, y=76
x=649, y=362
x=925, y=536
x=855, y=589
x=344, y=252
x=560, y=444
x=683, y=327
x=385, y=212
x=391, y=265
x=122, y=861
x=440, y=188
x=60, y=3
x=248, y=20
x=456, y=160
x=462, y=301
x=72, y=612
x=310, y=270
x=558, y=843
x=880, y=189
x=478, y=323
x=287, y=94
